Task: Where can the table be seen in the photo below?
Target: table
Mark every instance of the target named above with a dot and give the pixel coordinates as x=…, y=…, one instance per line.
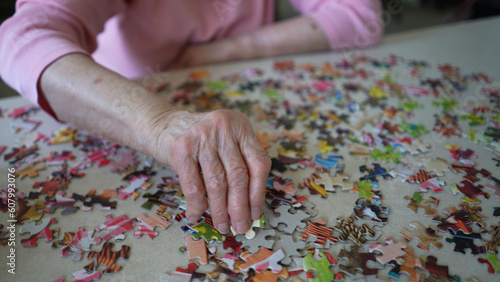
x=472, y=46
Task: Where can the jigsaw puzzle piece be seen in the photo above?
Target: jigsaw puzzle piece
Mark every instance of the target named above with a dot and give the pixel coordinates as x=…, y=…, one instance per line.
x=426, y=235
x=61, y=202
x=115, y=226
x=108, y=257
x=351, y=231
x=291, y=220
x=417, y=202
x=320, y=232
x=39, y=231
x=196, y=249
x=357, y=261
x=290, y=247
x=320, y=263
x=492, y=262
x=264, y=238
x=390, y=251
x=83, y=275
x=492, y=245
x=27, y=212
x=102, y=199
x=262, y=260
x=407, y=267
x=465, y=241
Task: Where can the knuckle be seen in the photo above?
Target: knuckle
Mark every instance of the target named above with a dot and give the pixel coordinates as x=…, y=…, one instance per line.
x=238, y=177
x=215, y=182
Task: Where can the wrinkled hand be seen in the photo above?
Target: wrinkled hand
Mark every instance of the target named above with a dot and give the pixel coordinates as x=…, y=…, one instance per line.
x=234, y=167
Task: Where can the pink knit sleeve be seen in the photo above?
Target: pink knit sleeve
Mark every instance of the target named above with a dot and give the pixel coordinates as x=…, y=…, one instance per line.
x=347, y=23
x=42, y=31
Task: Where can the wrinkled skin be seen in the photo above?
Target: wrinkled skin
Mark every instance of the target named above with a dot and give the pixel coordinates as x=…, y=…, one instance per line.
x=217, y=156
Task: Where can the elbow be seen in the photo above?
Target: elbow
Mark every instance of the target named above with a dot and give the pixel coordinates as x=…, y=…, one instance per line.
x=369, y=31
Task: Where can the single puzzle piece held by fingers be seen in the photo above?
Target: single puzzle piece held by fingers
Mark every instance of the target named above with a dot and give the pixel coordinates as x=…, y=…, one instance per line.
x=108, y=257
x=426, y=235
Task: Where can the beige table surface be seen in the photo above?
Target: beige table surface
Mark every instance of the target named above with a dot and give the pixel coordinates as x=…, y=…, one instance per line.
x=473, y=46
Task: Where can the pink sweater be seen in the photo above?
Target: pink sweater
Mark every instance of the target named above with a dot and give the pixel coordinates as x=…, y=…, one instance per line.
x=137, y=37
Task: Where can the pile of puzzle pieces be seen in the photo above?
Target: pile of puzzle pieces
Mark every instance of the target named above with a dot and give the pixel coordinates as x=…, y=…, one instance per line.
x=300, y=106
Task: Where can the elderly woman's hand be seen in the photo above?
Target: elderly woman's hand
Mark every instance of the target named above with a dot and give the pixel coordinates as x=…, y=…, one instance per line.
x=218, y=156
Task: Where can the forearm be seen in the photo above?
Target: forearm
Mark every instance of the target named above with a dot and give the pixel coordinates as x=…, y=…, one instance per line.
x=90, y=97
x=298, y=35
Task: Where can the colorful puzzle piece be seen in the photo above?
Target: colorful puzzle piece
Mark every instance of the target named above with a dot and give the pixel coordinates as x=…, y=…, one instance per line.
x=492, y=262
x=492, y=245
x=103, y=199
x=115, y=226
x=426, y=235
x=320, y=232
x=321, y=267
x=39, y=231
x=390, y=251
x=264, y=259
x=465, y=241
x=357, y=261
x=108, y=257
x=76, y=243
x=352, y=231
x=196, y=249
x=417, y=202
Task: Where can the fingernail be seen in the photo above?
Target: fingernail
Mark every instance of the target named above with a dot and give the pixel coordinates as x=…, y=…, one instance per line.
x=256, y=213
x=223, y=228
x=242, y=227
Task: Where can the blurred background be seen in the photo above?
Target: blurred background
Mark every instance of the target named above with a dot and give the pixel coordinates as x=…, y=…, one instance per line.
x=401, y=15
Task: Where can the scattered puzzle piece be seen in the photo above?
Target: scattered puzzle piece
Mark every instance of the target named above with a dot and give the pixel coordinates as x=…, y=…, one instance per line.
x=27, y=212
x=39, y=231
x=426, y=235
x=116, y=226
x=390, y=251
x=407, y=267
x=492, y=245
x=102, y=199
x=357, y=261
x=321, y=233
x=290, y=247
x=291, y=220
x=492, y=262
x=321, y=266
x=196, y=249
x=262, y=260
x=76, y=243
x=417, y=202
x=264, y=238
x=67, y=204
x=466, y=241
x=352, y=231
x=108, y=257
